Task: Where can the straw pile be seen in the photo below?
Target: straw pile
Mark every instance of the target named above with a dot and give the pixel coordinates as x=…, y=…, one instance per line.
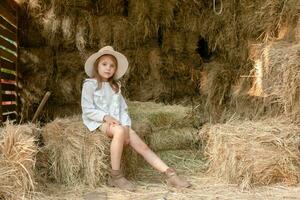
x=247, y=152
x=17, y=161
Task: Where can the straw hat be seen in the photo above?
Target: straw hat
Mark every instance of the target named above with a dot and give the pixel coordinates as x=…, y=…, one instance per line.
x=121, y=59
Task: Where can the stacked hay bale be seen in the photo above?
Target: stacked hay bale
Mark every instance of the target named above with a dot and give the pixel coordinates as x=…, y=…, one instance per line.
x=251, y=153
x=142, y=30
x=167, y=129
x=163, y=40
x=277, y=75
x=77, y=156
x=17, y=161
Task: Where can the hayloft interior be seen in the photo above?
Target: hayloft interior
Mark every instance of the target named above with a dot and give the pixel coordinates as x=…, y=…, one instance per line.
x=213, y=86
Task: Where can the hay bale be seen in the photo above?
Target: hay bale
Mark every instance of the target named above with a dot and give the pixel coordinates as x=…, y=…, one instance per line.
x=277, y=75
x=81, y=158
x=100, y=31
x=247, y=152
x=144, y=74
x=159, y=116
x=172, y=139
x=123, y=37
x=67, y=84
x=188, y=16
x=216, y=80
x=84, y=156
x=177, y=75
x=17, y=161
x=144, y=15
x=173, y=40
x=110, y=7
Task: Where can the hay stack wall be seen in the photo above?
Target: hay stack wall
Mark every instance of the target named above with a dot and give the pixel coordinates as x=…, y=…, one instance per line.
x=166, y=42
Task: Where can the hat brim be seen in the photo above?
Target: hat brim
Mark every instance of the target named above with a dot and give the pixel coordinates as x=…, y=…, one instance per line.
x=121, y=59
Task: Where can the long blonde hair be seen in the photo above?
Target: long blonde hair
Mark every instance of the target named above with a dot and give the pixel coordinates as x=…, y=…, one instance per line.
x=112, y=82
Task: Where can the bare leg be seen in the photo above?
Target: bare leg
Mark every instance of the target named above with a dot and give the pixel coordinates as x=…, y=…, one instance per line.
x=139, y=146
x=116, y=147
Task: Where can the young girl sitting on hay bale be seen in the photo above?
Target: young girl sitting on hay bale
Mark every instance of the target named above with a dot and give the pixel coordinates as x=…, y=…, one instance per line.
x=104, y=108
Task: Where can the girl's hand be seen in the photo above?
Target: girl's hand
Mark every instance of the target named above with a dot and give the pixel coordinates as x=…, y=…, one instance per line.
x=111, y=120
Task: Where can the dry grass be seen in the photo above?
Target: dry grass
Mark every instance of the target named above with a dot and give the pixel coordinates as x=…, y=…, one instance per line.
x=144, y=73
x=17, y=160
x=168, y=139
x=216, y=80
x=247, y=153
x=159, y=116
x=75, y=154
x=151, y=185
x=84, y=156
x=277, y=75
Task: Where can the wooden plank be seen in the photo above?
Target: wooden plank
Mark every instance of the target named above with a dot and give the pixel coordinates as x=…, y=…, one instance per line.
x=7, y=65
x=18, y=101
x=9, y=16
x=7, y=34
x=7, y=76
x=8, y=87
x=7, y=55
x=7, y=25
x=8, y=45
x=10, y=116
x=8, y=97
x=9, y=108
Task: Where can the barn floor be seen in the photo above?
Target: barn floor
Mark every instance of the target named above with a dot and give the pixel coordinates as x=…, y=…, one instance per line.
x=151, y=187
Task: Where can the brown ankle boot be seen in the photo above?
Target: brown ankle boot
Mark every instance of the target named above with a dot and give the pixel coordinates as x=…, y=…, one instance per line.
x=174, y=180
x=117, y=179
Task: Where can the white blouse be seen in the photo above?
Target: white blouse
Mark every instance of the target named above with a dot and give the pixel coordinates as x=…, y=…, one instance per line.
x=96, y=103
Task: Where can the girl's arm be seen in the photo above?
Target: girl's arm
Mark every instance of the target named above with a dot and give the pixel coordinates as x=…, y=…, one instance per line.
x=87, y=103
x=125, y=119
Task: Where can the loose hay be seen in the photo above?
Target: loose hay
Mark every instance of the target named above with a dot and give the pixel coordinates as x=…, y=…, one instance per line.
x=17, y=161
x=253, y=153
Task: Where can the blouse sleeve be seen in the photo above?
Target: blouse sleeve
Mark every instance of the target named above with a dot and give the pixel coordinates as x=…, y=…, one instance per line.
x=87, y=103
x=125, y=119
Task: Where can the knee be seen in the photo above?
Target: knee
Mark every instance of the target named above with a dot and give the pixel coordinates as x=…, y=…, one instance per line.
x=119, y=132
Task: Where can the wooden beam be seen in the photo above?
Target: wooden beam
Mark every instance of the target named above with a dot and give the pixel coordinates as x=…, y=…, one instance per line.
x=10, y=116
x=8, y=97
x=8, y=34
x=9, y=16
x=7, y=25
x=9, y=108
x=7, y=65
x=7, y=55
x=8, y=87
x=8, y=45
x=7, y=76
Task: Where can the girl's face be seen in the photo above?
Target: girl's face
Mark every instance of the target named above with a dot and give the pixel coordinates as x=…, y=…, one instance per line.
x=106, y=67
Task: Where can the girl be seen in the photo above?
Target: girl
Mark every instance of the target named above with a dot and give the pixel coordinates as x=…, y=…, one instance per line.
x=104, y=108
